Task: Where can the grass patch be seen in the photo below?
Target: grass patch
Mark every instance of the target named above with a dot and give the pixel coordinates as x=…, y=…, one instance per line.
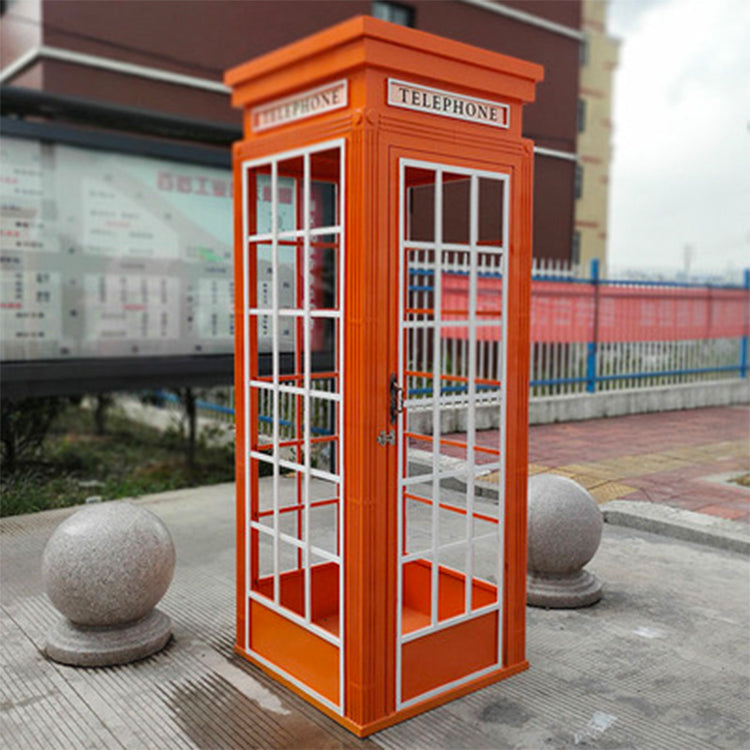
x=130, y=459
x=743, y=480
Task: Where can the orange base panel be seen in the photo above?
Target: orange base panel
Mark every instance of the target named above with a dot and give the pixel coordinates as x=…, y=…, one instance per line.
x=364, y=730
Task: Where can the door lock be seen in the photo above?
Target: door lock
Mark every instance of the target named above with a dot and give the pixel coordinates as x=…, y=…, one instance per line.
x=386, y=438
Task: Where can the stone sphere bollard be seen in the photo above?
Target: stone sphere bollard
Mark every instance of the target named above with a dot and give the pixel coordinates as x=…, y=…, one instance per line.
x=105, y=568
x=565, y=529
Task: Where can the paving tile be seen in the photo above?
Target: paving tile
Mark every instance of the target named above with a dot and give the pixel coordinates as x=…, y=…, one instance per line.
x=723, y=511
x=597, y=470
x=638, y=495
x=723, y=490
x=588, y=482
x=563, y=472
x=536, y=469
x=657, y=494
x=611, y=491
x=692, y=507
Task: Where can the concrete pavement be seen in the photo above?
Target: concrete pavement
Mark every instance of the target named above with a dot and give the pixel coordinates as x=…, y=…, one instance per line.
x=663, y=661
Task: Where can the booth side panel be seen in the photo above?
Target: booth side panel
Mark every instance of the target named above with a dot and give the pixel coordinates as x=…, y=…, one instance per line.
x=355, y=416
x=368, y=536
x=448, y=655
x=308, y=658
x=517, y=411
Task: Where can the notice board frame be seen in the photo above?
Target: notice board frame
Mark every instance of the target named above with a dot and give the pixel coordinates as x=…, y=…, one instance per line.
x=33, y=378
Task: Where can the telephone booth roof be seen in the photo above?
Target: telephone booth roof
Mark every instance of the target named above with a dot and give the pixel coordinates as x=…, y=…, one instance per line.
x=368, y=43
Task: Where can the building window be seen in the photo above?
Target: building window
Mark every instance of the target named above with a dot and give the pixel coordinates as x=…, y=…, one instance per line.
x=581, y=115
x=393, y=12
x=579, y=181
x=575, y=250
x=583, y=52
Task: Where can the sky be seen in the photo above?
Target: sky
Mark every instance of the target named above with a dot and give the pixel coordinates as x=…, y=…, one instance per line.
x=680, y=179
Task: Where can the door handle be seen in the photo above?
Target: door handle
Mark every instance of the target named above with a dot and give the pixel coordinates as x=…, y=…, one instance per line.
x=397, y=398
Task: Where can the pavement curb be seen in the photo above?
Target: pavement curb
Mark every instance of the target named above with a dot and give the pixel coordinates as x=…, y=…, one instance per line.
x=686, y=525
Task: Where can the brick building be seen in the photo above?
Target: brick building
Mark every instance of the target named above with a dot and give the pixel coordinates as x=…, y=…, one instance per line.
x=167, y=58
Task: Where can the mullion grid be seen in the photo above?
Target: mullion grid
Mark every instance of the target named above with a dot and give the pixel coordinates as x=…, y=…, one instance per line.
x=277, y=385
x=471, y=401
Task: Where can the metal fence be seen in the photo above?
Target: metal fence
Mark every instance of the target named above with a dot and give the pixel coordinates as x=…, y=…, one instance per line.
x=589, y=335
x=635, y=333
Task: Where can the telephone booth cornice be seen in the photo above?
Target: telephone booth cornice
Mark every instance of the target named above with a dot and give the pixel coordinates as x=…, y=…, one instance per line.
x=365, y=44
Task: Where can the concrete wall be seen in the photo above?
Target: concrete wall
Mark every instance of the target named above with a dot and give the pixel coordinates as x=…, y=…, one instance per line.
x=638, y=401
x=594, y=406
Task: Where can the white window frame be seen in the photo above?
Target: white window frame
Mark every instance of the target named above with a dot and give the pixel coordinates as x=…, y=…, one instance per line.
x=275, y=387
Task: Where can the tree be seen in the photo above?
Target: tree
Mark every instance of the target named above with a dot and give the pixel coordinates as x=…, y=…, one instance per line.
x=24, y=423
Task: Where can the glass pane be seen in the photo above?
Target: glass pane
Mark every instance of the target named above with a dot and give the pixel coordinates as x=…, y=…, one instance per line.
x=288, y=417
x=289, y=557
x=324, y=524
x=285, y=203
x=265, y=493
x=324, y=273
x=455, y=274
x=454, y=368
x=491, y=204
x=419, y=189
x=451, y=523
x=325, y=171
x=323, y=340
x=325, y=380
x=287, y=196
x=290, y=521
x=488, y=363
x=420, y=285
x=418, y=387
x=417, y=521
x=289, y=268
x=263, y=550
x=483, y=524
x=290, y=493
x=486, y=553
x=264, y=427
x=456, y=195
x=453, y=493
x=324, y=426
x=258, y=199
x=286, y=335
x=259, y=255
x=418, y=451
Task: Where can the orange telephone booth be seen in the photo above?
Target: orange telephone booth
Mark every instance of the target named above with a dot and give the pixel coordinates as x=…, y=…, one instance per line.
x=383, y=255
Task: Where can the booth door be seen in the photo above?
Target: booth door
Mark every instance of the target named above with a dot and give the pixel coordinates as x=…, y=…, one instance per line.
x=450, y=390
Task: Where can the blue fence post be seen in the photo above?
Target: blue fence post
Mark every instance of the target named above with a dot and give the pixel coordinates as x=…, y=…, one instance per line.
x=591, y=358
x=744, y=339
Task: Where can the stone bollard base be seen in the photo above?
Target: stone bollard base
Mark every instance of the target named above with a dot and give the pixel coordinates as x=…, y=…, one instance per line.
x=106, y=646
x=579, y=589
